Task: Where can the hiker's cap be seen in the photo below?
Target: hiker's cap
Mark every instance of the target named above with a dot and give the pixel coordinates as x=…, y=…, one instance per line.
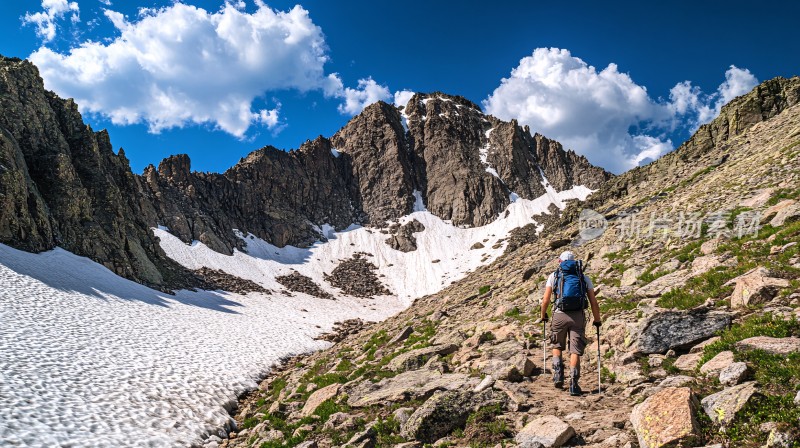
x=566, y=255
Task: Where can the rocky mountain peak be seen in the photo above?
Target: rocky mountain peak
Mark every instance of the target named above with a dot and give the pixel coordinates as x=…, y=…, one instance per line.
x=466, y=166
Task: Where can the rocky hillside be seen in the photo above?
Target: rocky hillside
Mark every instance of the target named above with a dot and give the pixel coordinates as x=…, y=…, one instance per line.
x=61, y=184
x=697, y=268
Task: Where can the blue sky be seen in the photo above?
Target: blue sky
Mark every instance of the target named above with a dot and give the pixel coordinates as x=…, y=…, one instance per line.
x=621, y=84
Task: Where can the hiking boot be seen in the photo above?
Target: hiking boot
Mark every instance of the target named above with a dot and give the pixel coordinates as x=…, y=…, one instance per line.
x=558, y=373
x=574, y=388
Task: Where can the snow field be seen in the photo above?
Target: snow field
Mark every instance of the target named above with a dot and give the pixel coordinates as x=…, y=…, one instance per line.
x=90, y=359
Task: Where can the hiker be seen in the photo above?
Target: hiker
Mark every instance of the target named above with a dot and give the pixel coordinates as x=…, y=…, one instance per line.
x=572, y=288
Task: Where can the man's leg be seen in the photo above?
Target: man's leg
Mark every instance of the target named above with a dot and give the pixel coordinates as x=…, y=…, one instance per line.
x=558, y=369
x=577, y=346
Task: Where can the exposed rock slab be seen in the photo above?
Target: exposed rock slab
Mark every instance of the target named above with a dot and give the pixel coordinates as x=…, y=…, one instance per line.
x=442, y=413
x=544, y=432
x=755, y=287
x=688, y=362
x=663, y=284
x=775, y=346
x=417, y=358
x=722, y=406
x=716, y=364
x=666, y=418
x=676, y=329
x=405, y=386
x=733, y=374
x=780, y=213
x=318, y=397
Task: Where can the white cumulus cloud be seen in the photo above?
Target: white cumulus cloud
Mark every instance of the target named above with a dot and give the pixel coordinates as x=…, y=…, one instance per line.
x=53, y=10
x=356, y=99
x=603, y=114
x=180, y=64
x=402, y=97
x=689, y=99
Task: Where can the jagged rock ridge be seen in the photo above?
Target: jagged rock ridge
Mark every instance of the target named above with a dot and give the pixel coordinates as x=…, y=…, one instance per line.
x=63, y=185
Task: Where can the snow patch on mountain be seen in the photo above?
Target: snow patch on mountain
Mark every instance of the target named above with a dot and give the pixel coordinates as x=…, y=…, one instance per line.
x=408, y=275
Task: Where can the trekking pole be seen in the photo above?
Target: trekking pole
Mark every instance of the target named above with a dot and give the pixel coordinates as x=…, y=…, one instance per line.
x=599, y=387
x=544, y=347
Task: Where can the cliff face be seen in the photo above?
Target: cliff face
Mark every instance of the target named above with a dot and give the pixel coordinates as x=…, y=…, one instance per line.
x=63, y=185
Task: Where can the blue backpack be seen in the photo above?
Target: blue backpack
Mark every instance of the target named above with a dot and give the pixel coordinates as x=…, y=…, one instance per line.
x=570, y=287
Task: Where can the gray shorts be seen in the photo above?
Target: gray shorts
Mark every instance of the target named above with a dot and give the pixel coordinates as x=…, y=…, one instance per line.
x=572, y=325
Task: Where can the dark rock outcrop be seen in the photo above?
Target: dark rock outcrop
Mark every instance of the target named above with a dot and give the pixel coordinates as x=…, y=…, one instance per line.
x=356, y=277
x=62, y=185
x=403, y=238
x=298, y=282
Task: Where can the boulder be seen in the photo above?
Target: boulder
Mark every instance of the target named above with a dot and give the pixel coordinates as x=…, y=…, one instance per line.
x=687, y=362
x=441, y=414
x=518, y=394
x=703, y=264
x=363, y=439
x=401, y=415
x=780, y=213
x=308, y=444
x=512, y=369
x=708, y=247
x=544, y=432
x=663, y=284
x=759, y=199
x=676, y=381
x=555, y=244
x=775, y=346
x=486, y=383
x=716, y=364
x=630, y=276
x=417, y=358
x=756, y=286
x=669, y=266
x=780, y=439
x=402, y=335
x=722, y=406
x=319, y=397
x=701, y=346
x=666, y=418
x=734, y=374
x=339, y=421
x=409, y=385
x=797, y=399
x=676, y=329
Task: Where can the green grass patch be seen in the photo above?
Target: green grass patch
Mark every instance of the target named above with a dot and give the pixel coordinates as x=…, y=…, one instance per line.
x=276, y=387
x=612, y=306
x=688, y=252
x=484, y=289
x=345, y=365
x=388, y=431
x=651, y=274
x=777, y=374
x=709, y=285
x=422, y=334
